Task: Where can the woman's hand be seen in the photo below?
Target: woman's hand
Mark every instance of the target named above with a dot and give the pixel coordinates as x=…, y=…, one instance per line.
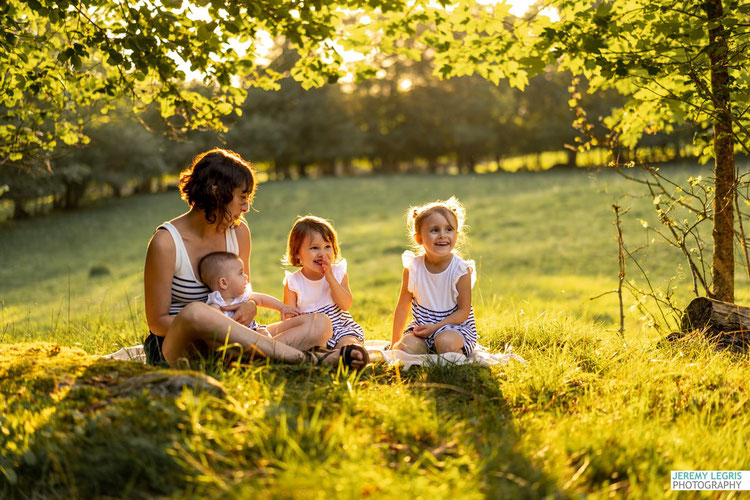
x=424, y=331
x=244, y=312
x=288, y=311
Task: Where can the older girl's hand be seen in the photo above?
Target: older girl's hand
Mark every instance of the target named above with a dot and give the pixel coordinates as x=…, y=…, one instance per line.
x=424, y=331
x=244, y=312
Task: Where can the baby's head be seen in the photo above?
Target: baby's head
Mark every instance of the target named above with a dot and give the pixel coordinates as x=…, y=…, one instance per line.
x=424, y=217
x=311, y=234
x=223, y=272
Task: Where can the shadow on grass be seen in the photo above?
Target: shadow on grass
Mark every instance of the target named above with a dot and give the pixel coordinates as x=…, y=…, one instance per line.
x=434, y=431
x=69, y=431
x=470, y=396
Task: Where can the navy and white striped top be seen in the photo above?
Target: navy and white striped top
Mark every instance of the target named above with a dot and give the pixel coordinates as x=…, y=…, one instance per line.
x=186, y=288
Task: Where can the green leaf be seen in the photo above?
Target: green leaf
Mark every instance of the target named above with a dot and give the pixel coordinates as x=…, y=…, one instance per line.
x=224, y=108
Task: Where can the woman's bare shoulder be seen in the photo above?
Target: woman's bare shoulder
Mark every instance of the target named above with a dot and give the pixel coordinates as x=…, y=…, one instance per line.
x=242, y=229
x=161, y=242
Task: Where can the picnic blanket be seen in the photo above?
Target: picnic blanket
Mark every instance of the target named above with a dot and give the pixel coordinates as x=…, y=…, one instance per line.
x=379, y=352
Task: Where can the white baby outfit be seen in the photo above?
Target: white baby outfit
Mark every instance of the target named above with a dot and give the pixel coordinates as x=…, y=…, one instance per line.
x=435, y=296
x=215, y=298
x=315, y=296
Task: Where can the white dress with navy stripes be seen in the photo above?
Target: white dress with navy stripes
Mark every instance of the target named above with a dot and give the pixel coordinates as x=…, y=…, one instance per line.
x=315, y=297
x=435, y=297
x=186, y=288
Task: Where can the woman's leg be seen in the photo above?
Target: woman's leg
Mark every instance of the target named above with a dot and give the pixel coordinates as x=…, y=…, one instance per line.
x=200, y=322
x=303, y=331
x=412, y=344
x=449, y=341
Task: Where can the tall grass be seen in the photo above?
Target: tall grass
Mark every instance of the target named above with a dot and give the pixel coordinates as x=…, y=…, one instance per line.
x=589, y=414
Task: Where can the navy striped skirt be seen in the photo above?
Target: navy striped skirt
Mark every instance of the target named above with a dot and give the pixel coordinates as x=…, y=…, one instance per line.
x=343, y=325
x=424, y=316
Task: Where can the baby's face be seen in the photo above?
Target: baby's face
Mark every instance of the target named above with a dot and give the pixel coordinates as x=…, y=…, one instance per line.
x=236, y=278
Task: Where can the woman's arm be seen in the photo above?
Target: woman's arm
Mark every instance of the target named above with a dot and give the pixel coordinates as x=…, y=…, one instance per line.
x=401, y=313
x=157, y=280
x=463, y=302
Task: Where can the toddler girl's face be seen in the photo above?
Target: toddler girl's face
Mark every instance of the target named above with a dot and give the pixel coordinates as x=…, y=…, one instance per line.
x=437, y=235
x=236, y=278
x=314, y=252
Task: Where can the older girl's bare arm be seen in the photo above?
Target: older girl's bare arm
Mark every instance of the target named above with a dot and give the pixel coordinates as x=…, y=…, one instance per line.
x=401, y=314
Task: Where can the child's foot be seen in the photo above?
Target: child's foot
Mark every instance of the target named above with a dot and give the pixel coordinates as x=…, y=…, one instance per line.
x=353, y=356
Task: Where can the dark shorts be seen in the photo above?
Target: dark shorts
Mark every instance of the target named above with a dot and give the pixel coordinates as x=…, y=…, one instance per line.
x=152, y=347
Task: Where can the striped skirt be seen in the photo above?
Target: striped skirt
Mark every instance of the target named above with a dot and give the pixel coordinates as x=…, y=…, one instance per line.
x=424, y=316
x=343, y=325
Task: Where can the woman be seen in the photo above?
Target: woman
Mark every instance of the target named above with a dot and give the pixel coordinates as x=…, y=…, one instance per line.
x=219, y=187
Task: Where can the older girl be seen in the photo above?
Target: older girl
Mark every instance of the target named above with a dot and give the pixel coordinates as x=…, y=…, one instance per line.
x=218, y=186
x=436, y=284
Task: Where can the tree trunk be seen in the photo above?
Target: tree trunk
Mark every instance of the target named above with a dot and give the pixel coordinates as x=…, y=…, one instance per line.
x=572, y=157
x=19, y=209
x=432, y=165
x=726, y=324
x=723, y=232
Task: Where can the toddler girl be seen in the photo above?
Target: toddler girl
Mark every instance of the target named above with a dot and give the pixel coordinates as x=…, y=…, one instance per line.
x=437, y=283
x=321, y=285
x=224, y=274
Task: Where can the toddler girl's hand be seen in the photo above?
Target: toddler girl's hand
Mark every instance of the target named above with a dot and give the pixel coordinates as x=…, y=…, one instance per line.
x=244, y=312
x=289, y=312
x=325, y=264
x=424, y=331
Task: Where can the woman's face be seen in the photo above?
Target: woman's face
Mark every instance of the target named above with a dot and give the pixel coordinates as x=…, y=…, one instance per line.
x=239, y=205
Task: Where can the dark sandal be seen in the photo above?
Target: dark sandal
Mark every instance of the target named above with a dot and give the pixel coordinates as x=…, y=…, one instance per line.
x=317, y=355
x=346, y=355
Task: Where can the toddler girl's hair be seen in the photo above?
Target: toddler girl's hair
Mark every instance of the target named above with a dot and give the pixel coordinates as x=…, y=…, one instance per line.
x=211, y=267
x=451, y=209
x=305, y=226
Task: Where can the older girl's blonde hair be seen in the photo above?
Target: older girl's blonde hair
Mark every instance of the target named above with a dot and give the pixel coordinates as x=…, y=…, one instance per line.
x=451, y=209
x=305, y=226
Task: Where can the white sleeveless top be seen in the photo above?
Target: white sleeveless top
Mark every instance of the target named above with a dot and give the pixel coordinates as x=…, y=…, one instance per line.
x=437, y=292
x=186, y=287
x=313, y=295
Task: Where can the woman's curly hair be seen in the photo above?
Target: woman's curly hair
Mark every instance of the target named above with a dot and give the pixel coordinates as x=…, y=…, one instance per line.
x=209, y=182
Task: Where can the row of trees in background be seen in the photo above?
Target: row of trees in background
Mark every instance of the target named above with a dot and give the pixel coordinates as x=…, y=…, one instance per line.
x=405, y=120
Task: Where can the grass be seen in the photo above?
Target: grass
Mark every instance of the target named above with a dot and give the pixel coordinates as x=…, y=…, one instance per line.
x=589, y=414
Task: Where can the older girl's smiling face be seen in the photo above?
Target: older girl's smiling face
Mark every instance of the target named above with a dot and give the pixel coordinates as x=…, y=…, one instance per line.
x=437, y=235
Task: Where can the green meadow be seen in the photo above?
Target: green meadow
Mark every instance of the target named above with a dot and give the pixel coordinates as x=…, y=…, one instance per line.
x=589, y=413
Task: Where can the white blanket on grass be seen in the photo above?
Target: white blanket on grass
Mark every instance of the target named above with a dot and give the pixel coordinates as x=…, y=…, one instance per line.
x=378, y=350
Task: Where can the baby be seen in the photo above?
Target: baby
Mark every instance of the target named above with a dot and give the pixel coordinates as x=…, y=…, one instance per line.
x=224, y=274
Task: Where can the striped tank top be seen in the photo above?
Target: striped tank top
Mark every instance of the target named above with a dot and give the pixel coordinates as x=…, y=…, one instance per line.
x=186, y=288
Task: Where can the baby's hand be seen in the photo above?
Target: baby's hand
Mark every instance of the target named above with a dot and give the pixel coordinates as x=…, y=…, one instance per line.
x=424, y=331
x=289, y=312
